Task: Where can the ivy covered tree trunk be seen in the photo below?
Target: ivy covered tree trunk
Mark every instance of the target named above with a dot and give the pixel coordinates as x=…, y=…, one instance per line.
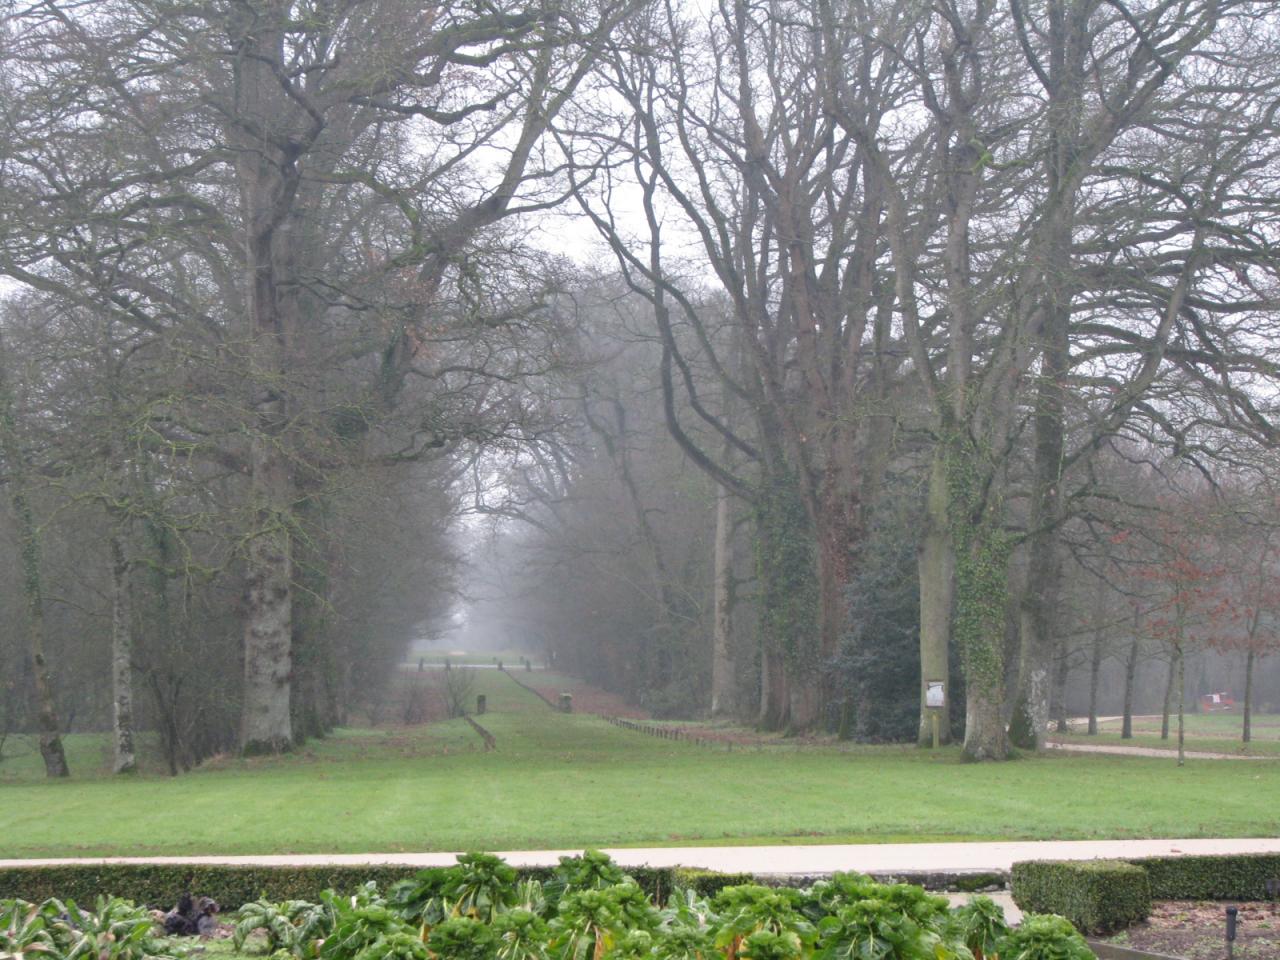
x=722, y=667
x=788, y=600
x=981, y=604
x=124, y=760
x=837, y=521
x=937, y=592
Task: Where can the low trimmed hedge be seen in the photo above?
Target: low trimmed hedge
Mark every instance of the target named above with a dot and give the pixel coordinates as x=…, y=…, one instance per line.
x=160, y=885
x=1097, y=896
x=1239, y=876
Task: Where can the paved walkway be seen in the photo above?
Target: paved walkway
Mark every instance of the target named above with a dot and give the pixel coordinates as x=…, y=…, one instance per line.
x=1152, y=752
x=799, y=859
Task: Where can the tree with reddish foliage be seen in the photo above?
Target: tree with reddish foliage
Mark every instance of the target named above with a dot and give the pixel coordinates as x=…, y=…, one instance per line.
x=1249, y=622
x=1185, y=579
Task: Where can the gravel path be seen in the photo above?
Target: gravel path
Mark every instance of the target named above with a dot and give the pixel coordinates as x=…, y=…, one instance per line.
x=1150, y=751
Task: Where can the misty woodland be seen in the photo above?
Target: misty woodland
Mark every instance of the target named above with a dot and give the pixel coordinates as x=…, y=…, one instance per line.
x=772, y=359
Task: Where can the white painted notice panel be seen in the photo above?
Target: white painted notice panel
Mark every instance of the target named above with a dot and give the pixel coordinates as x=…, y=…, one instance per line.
x=935, y=694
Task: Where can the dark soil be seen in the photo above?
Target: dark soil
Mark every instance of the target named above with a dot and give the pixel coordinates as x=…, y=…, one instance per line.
x=1197, y=931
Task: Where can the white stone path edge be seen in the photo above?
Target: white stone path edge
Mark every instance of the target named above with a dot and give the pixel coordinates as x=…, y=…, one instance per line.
x=794, y=859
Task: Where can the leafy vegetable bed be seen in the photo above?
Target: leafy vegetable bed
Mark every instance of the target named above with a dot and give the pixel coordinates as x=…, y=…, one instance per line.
x=588, y=909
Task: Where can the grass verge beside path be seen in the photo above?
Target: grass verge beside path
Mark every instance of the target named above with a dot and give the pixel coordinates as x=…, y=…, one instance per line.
x=572, y=781
x=1255, y=748
x=1205, y=732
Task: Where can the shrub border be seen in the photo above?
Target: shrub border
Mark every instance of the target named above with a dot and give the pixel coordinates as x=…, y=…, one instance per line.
x=1097, y=896
x=159, y=885
x=1235, y=876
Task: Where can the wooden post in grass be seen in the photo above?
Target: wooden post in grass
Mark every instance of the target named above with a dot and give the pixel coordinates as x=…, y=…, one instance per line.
x=481, y=703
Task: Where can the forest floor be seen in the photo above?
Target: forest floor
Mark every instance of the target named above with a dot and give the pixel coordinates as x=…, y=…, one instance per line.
x=569, y=781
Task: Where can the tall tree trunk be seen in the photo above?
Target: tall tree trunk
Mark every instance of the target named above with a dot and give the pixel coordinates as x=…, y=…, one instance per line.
x=269, y=178
x=265, y=725
x=1095, y=673
x=805, y=700
x=839, y=538
x=937, y=591
x=722, y=667
x=775, y=703
x=1168, y=695
x=985, y=737
x=1247, y=731
x=1130, y=675
x=55, y=758
x=1061, y=673
x=1182, y=697
x=1040, y=595
x=789, y=603
x=125, y=760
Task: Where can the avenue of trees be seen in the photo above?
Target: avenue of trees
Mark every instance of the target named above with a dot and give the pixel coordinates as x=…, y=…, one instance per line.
x=913, y=341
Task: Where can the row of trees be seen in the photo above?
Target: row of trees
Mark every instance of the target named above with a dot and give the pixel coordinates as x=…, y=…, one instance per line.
x=921, y=274
x=976, y=247
x=268, y=312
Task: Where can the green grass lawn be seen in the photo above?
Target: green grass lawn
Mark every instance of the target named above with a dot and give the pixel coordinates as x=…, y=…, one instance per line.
x=573, y=781
x=1211, y=732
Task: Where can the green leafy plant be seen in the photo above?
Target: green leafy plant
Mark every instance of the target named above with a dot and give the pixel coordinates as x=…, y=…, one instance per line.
x=24, y=934
x=750, y=909
x=880, y=930
x=463, y=938
x=114, y=930
x=591, y=871
x=766, y=945
x=297, y=926
x=587, y=925
x=363, y=922
x=980, y=924
x=522, y=935
x=1044, y=937
x=481, y=886
x=421, y=899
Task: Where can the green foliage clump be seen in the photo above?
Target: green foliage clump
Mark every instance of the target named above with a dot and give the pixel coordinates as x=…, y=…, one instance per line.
x=1097, y=896
x=1041, y=937
x=463, y=938
x=60, y=930
x=296, y=926
x=981, y=925
x=707, y=882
